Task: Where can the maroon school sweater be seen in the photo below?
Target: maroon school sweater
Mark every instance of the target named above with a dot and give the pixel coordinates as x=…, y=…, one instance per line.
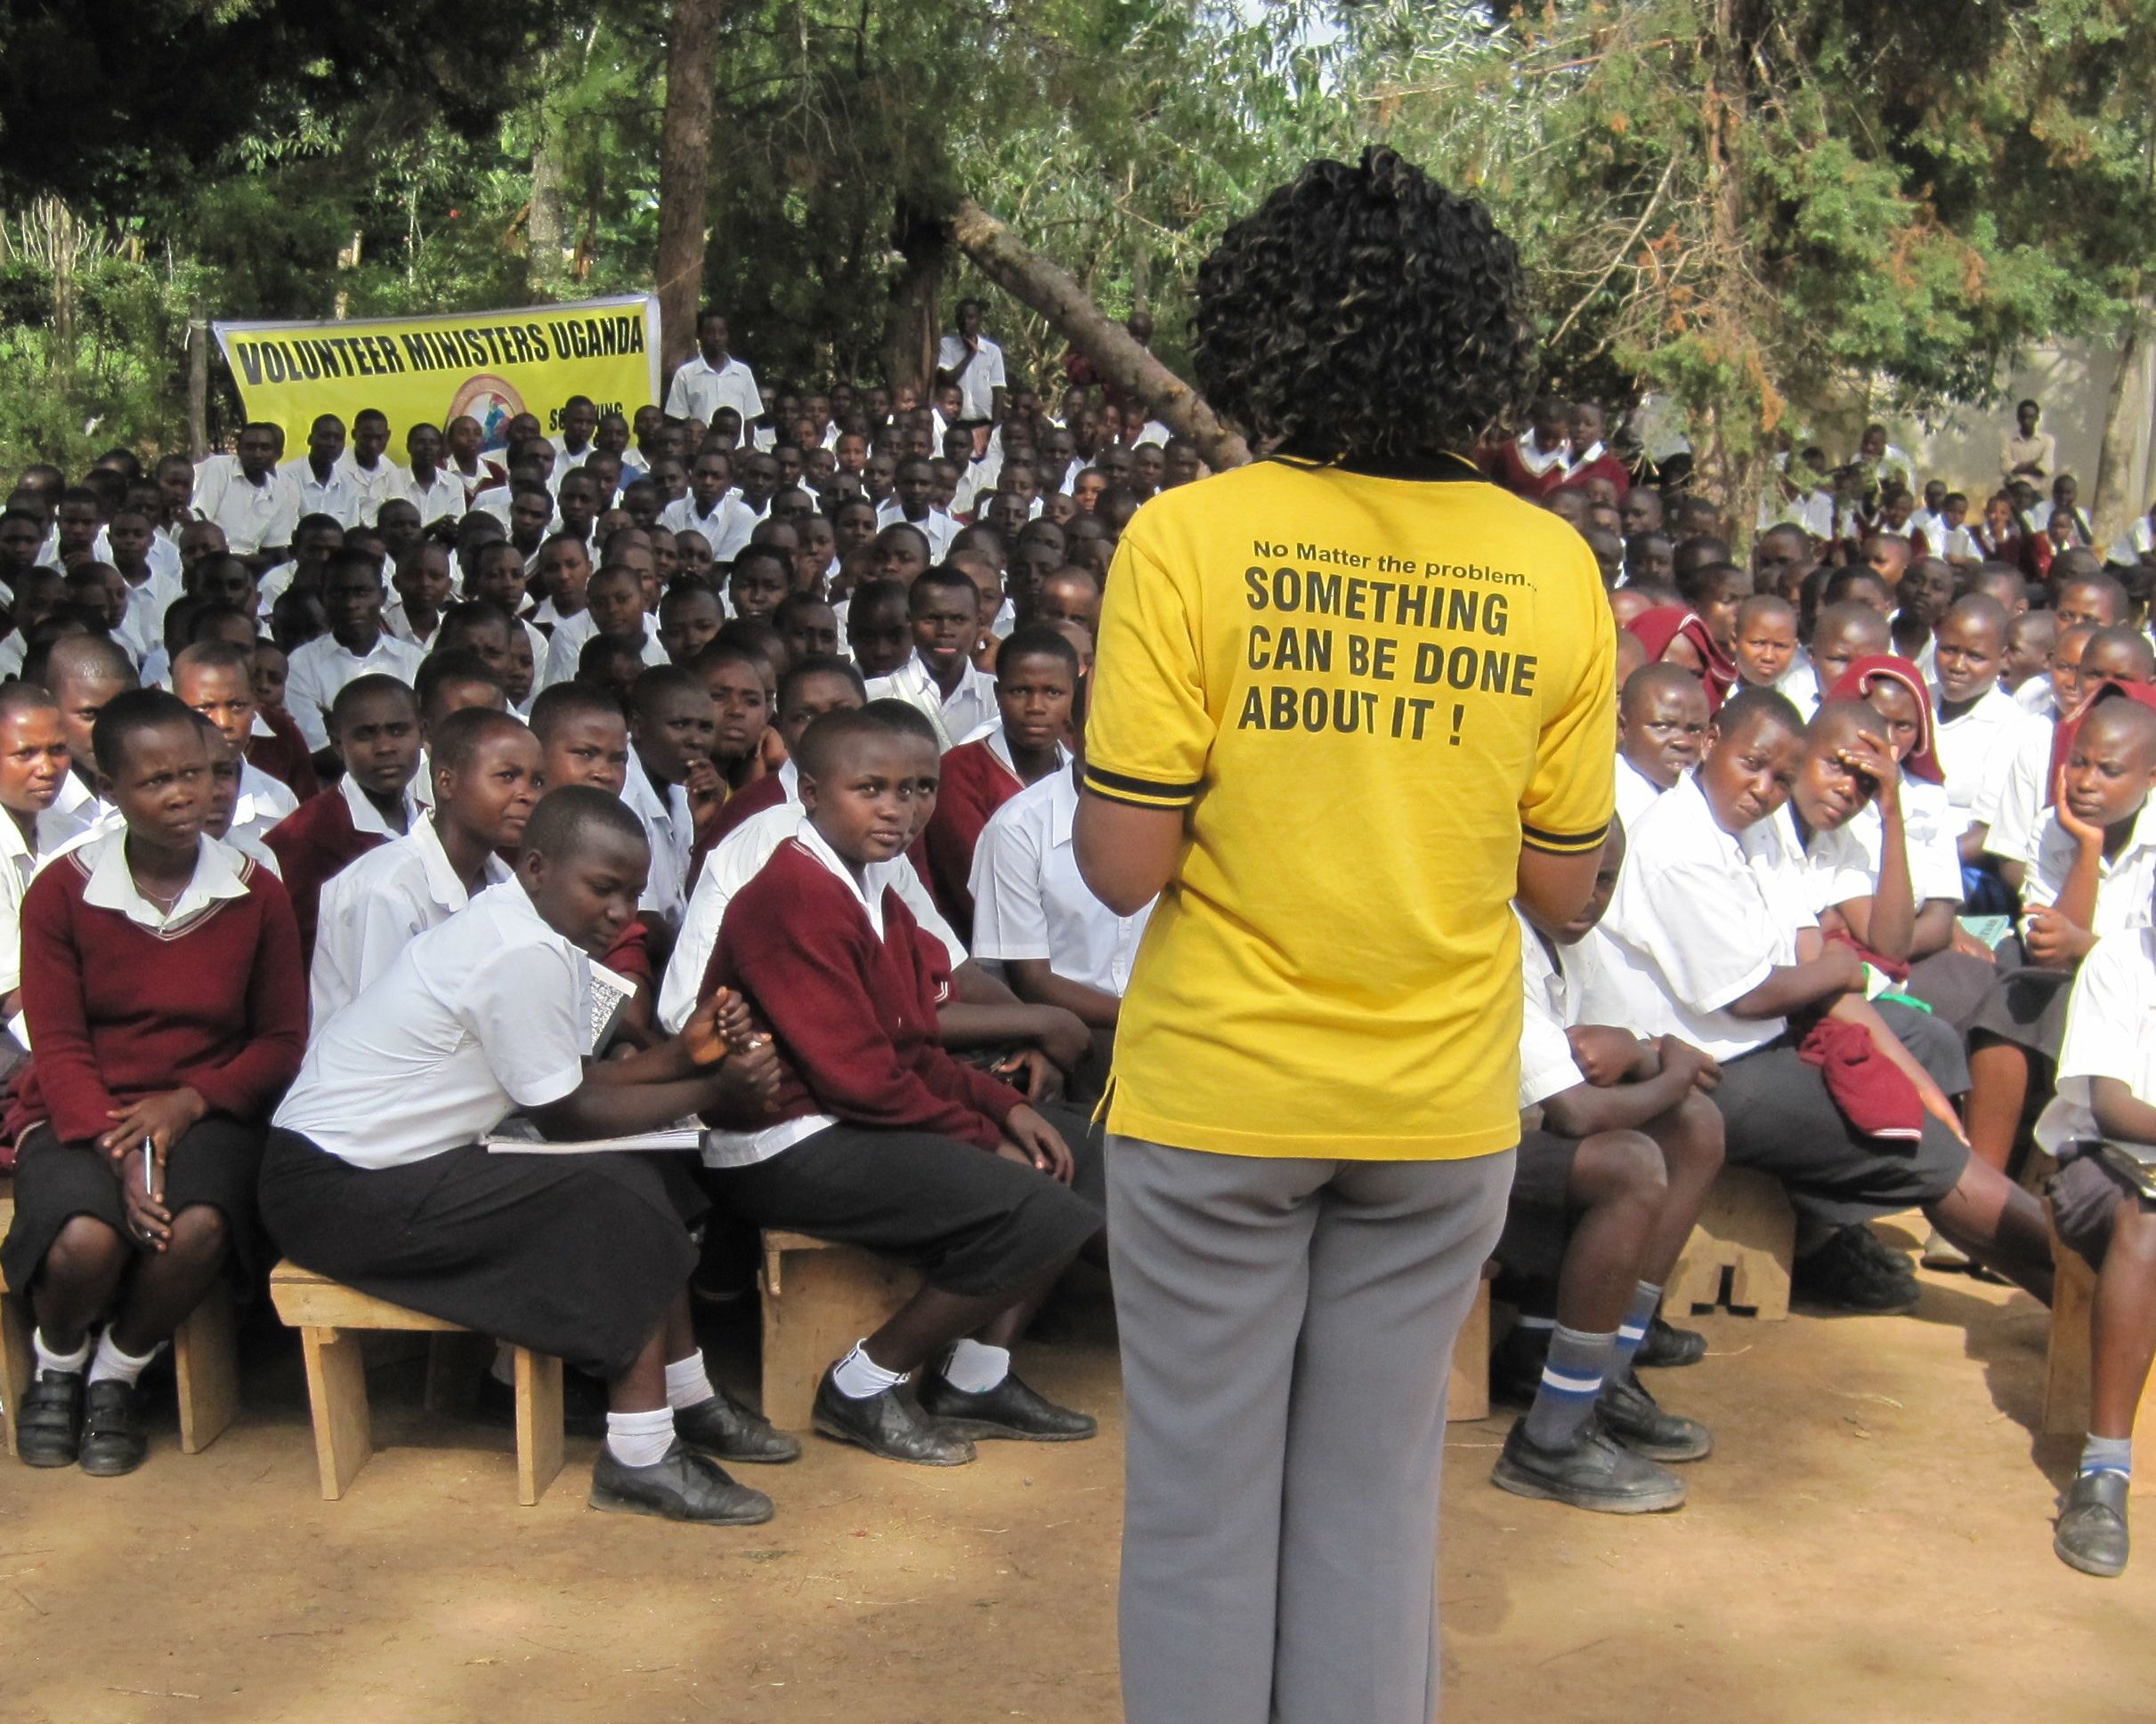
x=976, y=783
x=118, y=1012
x=283, y=754
x=853, y=1016
x=314, y=842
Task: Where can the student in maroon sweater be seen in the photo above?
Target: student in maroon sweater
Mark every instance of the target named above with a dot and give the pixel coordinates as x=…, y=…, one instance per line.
x=878, y=1137
x=806, y=692
x=1036, y=685
x=167, y=1011
x=374, y=726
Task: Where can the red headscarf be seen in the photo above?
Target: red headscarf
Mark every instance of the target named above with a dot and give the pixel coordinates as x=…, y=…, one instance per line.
x=1656, y=630
x=1856, y=682
x=2063, y=734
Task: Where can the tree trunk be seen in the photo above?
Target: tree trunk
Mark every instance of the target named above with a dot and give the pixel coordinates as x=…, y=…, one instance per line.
x=1035, y=282
x=198, y=379
x=908, y=333
x=545, y=225
x=2113, y=506
x=685, y=173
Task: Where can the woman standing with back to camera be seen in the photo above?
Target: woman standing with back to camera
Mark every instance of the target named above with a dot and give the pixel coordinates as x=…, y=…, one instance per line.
x=1350, y=699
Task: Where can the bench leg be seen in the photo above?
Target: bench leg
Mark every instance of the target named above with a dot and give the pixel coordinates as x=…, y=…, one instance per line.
x=205, y=1360
x=336, y=1392
x=16, y=1360
x=1468, y=1393
x=538, y=1424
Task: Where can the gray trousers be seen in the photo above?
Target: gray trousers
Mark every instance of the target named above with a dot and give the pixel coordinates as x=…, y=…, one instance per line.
x=1288, y=1329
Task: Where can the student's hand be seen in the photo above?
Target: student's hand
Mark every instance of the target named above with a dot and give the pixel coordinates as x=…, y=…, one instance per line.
x=770, y=752
x=148, y=1220
x=162, y=1119
x=1966, y=943
x=719, y=1026
x=748, y=1080
x=1681, y=1055
x=1869, y=757
x=706, y=792
x=2089, y=837
x=2052, y=940
x=1844, y=966
x=1031, y=1070
x=1062, y=1035
x=1605, y=1056
x=1039, y=1143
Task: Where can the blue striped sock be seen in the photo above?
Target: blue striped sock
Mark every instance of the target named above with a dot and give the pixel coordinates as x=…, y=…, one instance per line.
x=1632, y=1330
x=2108, y=1454
x=1572, y=1376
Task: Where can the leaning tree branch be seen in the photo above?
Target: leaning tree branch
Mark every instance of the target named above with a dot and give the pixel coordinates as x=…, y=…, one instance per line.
x=1035, y=282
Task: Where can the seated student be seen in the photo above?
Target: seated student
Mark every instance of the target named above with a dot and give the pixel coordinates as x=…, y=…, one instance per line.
x=217, y=680
x=689, y=616
x=1763, y=644
x=356, y=646
x=879, y=632
x=1662, y=720
x=1845, y=631
x=374, y=726
x=475, y=627
x=1921, y=598
x=613, y=605
x=376, y=1174
x=941, y=678
x=1036, y=684
x=2083, y=661
x=450, y=680
x=741, y=708
x=671, y=723
x=1699, y=633
x=423, y=584
x=2092, y=875
x=2030, y=638
x=1978, y=722
x=485, y=767
x=40, y=593
x=84, y=674
x=1618, y=1151
x=808, y=624
x=2107, y=1091
x=761, y=578
x=1711, y=939
x=876, y=1134
x=811, y=686
x=611, y=663
x=161, y=979
x=225, y=761
x=33, y=766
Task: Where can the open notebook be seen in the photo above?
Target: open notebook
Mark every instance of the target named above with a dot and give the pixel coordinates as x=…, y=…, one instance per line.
x=517, y=1135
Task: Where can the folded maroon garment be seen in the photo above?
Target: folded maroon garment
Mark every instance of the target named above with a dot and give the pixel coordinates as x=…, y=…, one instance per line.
x=1873, y=1093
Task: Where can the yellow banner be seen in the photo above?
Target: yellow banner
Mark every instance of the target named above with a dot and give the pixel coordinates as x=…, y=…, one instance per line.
x=491, y=365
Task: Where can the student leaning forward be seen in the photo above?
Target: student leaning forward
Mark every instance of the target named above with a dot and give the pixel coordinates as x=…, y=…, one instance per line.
x=1350, y=699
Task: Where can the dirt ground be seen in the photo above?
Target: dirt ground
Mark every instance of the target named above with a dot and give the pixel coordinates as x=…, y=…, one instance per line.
x=1872, y=1542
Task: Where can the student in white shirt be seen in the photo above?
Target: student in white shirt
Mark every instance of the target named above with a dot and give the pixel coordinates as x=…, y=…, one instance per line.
x=613, y=604
x=975, y=364
x=375, y=1173
x=1978, y=721
x=1714, y=941
x=714, y=378
x=579, y=419
x=33, y=769
x=485, y=767
x=317, y=482
x=941, y=679
x=671, y=725
x=1662, y=720
x=430, y=488
x=366, y=463
x=216, y=679
x=2083, y=658
x=2107, y=1094
x=356, y=646
x=910, y=502
x=247, y=499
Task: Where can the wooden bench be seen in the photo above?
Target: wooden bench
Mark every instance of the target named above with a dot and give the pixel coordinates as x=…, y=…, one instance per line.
x=205, y=1356
x=2066, y=1359
x=1747, y=1233
x=331, y=1319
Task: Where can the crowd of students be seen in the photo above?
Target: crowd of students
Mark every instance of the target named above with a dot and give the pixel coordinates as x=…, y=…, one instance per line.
x=722, y=764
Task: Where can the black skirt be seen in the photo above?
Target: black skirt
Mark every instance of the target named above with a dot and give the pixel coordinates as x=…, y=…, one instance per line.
x=573, y=1256
x=2026, y=1007
x=1781, y=1120
x=214, y=1162
x=2085, y=1194
x=1952, y=984
x=1932, y=1042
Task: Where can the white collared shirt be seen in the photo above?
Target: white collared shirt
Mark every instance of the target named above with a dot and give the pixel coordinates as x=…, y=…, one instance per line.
x=484, y=1013
x=699, y=389
x=110, y=886
x=263, y=801
x=672, y=831
x=1699, y=919
x=1975, y=751
x=368, y=818
x=337, y=496
x=2124, y=882
x=938, y=527
x=2111, y=1032
x=2013, y=804
x=387, y=481
x=1552, y=1007
x=1030, y=901
x=395, y=623
x=253, y=515
x=968, y=707
x=978, y=385
x=372, y=909
x=142, y=629
x=1636, y=793
x=322, y=667
x=572, y=634
x=725, y=530
x=445, y=495
x=1800, y=685
x=1845, y=861
x=736, y=860
x=20, y=858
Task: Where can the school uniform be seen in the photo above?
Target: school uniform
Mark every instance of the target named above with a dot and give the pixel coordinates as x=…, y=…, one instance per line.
x=142, y=629
x=725, y=529
x=126, y=1000
x=1524, y=467
x=374, y=1174
x=938, y=527
x=566, y=646
x=1974, y=750
x=1636, y=793
x=967, y=709
x=699, y=389
x=876, y=1136
x=978, y=778
x=668, y=824
x=978, y=385
x=374, y=486
x=1597, y=463
x=336, y=495
x=324, y=665
x=371, y=910
x=1030, y=901
x=1699, y=919
x=21, y=857
x=773, y=791
x=1536, y=1216
x=275, y=745
x=443, y=494
x=2018, y=799
x=483, y=474
x=324, y=835
x=1800, y=685
x=398, y=625
x=731, y=864
x=2110, y=1032
x=263, y=802
x=255, y=516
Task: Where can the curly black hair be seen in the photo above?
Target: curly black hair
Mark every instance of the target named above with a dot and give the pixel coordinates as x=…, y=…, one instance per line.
x=1365, y=313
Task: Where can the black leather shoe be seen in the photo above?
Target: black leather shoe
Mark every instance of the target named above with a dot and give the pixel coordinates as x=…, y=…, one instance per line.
x=1853, y=1272
x=2091, y=1535
x=48, y=1423
x=1516, y=1363
x=1594, y=1472
x=114, y=1439
x=1009, y=1410
x=886, y=1424
x=1667, y=1346
x=583, y=1404
x=682, y=1485
x=1629, y=1413
x=723, y=1427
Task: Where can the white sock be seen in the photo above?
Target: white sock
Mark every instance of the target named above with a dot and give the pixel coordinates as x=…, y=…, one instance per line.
x=860, y=1377
x=686, y=1383
x=976, y=1368
x=58, y=1364
x=111, y=1363
x=640, y=1439
x=504, y=1369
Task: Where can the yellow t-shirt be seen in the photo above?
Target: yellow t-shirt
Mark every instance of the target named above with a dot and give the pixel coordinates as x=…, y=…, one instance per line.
x=1369, y=693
